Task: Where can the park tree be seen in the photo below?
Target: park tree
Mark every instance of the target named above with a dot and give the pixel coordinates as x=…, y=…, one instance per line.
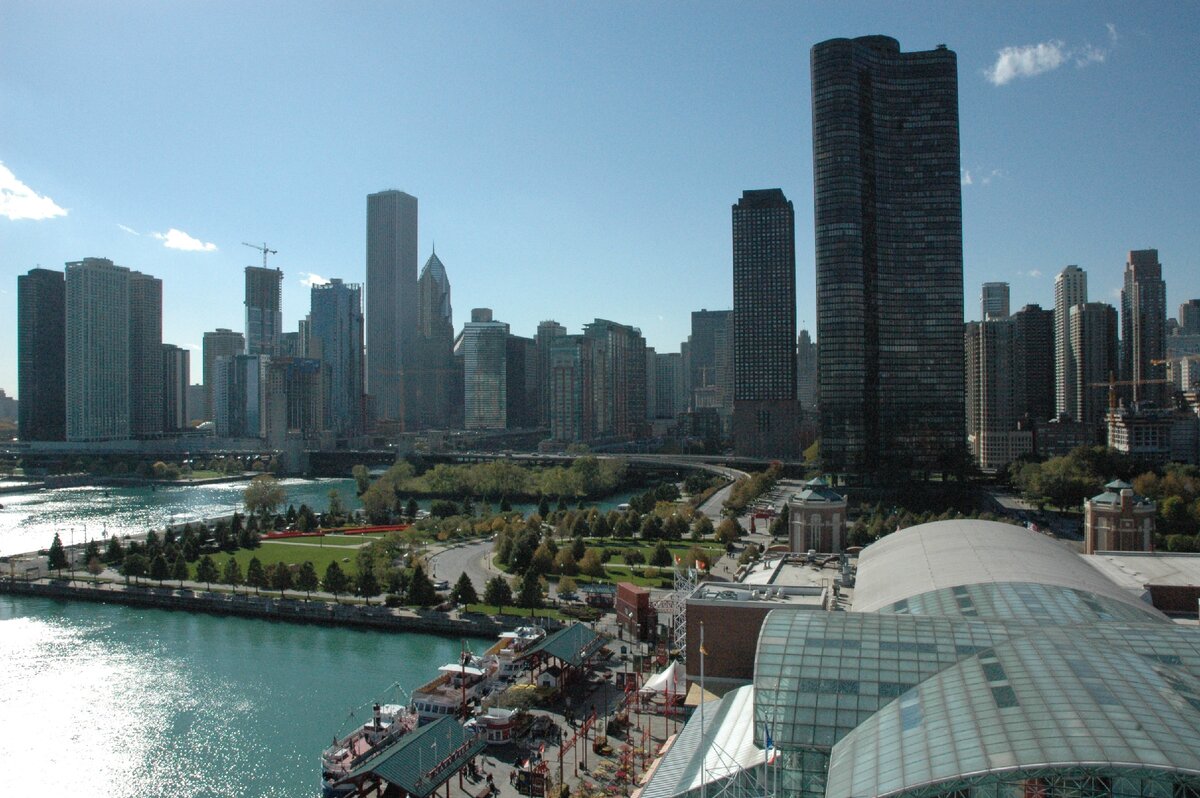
x=307, y=579
x=256, y=575
x=95, y=567
x=543, y=508
x=362, y=478
x=651, y=527
x=729, y=531
x=282, y=580
x=567, y=586
x=780, y=523
x=661, y=558
x=565, y=562
x=159, y=569
x=498, y=592
x=377, y=503
x=530, y=594
x=675, y=527
x=336, y=509
x=633, y=556
x=263, y=495
x=57, y=559
x=335, y=580
x=367, y=584
x=420, y=589
x=113, y=553
x=600, y=527
x=463, y=592
x=206, y=571
x=91, y=549
x=411, y=510
x=702, y=527
x=231, y=574
x=134, y=565
x=543, y=560
x=179, y=570
x=591, y=564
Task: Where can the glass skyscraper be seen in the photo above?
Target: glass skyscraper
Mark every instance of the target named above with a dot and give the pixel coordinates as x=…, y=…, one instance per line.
x=391, y=302
x=889, y=263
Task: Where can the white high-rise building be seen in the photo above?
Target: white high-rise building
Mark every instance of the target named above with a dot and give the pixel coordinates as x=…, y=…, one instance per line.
x=1070, y=289
x=97, y=350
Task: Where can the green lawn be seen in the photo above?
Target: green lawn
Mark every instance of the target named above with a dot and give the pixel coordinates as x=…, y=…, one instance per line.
x=275, y=552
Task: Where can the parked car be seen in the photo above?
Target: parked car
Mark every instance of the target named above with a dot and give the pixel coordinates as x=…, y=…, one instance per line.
x=441, y=584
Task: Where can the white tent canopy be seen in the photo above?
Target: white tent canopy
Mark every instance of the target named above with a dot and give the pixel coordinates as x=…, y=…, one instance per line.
x=672, y=680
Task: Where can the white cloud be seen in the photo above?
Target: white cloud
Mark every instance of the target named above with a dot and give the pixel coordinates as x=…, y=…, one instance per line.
x=129, y=230
x=1026, y=61
x=19, y=201
x=177, y=239
x=1035, y=272
x=1089, y=55
x=966, y=177
x=308, y=279
x=192, y=346
x=992, y=175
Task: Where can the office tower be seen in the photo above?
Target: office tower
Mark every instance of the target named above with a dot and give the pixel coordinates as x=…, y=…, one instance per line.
x=547, y=332
x=484, y=346
x=433, y=369
x=991, y=353
x=1189, y=317
x=294, y=399
x=1033, y=339
x=1144, y=327
x=618, y=359
x=176, y=362
x=888, y=214
x=520, y=382
x=221, y=342
x=651, y=381
x=292, y=345
x=765, y=412
x=570, y=377
x=1094, y=354
x=41, y=355
x=240, y=392
x=711, y=361
x=994, y=301
x=264, y=319
x=806, y=373
x=1070, y=289
x=97, y=350
x=391, y=303
x=145, y=356
x=197, y=403
x=669, y=397
x=336, y=339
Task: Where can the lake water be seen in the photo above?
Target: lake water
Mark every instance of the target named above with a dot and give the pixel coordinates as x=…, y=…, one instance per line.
x=29, y=520
x=113, y=701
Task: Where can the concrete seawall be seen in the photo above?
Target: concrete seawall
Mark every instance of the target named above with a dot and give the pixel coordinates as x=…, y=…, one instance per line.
x=267, y=608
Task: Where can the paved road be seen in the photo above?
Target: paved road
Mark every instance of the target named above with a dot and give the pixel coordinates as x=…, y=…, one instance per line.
x=473, y=558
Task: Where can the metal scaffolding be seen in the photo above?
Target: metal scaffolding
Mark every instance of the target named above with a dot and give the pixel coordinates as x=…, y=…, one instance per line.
x=674, y=606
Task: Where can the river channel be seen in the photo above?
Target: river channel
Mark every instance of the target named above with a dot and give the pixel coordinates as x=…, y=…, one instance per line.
x=115, y=701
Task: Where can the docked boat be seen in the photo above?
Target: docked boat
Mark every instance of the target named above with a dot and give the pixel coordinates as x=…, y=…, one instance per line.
x=457, y=689
x=388, y=722
x=512, y=646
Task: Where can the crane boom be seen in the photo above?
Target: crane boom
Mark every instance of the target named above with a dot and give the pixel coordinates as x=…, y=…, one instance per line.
x=263, y=249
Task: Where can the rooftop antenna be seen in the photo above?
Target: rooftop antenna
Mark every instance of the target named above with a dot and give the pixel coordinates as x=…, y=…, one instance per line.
x=263, y=249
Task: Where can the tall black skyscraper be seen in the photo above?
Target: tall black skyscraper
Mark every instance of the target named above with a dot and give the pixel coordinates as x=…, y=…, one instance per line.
x=765, y=412
x=41, y=355
x=1144, y=326
x=888, y=256
x=391, y=303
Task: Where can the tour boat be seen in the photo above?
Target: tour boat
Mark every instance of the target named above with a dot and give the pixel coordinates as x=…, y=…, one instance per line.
x=458, y=687
x=388, y=722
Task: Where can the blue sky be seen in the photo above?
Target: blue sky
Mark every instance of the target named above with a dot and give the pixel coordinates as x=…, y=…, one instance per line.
x=572, y=160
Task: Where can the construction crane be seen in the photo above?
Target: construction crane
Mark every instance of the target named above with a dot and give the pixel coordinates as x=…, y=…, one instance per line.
x=1113, y=382
x=263, y=249
x=1175, y=359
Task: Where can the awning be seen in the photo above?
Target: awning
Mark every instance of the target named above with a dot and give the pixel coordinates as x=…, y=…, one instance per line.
x=671, y=680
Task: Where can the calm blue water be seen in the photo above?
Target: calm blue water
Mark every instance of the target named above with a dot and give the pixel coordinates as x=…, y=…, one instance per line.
x=113, y=701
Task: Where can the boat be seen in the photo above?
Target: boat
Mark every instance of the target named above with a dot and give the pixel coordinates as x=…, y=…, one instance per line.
x=458, y=687
x=512, y=646
x=388, y=723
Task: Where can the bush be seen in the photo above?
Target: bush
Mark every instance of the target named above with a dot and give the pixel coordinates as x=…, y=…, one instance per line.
x=392, y=600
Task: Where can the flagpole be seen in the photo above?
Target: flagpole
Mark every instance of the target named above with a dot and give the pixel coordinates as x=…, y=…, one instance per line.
x=703, y=768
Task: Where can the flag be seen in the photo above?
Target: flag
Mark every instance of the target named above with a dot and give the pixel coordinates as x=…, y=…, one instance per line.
x=770, y=744
x=700, y=564
x=703, y=650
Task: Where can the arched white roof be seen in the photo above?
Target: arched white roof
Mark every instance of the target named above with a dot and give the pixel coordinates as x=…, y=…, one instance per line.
x=946, y=554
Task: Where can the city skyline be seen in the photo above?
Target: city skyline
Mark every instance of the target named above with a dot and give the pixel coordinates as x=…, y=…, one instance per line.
x=523, y=177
